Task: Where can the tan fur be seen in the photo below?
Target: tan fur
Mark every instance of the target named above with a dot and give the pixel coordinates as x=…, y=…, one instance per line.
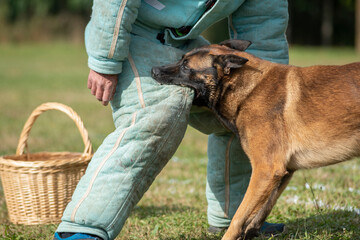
x=287, y=118
x=309, y=132
x=199, y=62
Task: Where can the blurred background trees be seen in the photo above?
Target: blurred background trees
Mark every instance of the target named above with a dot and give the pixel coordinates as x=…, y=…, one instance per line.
x=312, y=22
x=43, y=19
x=357, y=26
x=20, y=9
x=322, y=22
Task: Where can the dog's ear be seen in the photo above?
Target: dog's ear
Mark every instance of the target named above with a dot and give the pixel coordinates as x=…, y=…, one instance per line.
x=240, y=45
x=229, y=61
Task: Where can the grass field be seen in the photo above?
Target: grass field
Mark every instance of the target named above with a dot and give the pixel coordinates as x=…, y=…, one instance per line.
x=318, y=204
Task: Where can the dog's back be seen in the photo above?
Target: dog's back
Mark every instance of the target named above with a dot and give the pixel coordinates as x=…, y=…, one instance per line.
x=323, y=115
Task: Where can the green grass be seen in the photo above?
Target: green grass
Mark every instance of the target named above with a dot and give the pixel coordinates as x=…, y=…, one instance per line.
x=318, y=204
x=307, y=56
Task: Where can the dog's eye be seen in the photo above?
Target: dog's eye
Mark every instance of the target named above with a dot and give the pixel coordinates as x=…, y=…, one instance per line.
x=184, y=65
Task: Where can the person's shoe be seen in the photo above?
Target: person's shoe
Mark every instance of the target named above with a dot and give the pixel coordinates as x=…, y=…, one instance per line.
x=266, y=229
x=75, y=236
x=216, y=230
x=269, y=229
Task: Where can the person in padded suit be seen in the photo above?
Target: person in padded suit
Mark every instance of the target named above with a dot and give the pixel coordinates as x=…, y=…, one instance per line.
x=124, y=40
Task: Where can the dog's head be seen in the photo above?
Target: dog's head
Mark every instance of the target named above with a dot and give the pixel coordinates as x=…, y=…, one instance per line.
x=203, y=68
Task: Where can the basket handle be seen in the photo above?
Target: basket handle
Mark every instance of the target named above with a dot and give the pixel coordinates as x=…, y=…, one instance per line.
x=53, y=106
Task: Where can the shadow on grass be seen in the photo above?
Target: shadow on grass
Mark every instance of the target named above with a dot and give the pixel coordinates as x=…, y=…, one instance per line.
x=333, y=225
x=180, y=222
x=203, y=237
x=143, y=212
x=339, y=225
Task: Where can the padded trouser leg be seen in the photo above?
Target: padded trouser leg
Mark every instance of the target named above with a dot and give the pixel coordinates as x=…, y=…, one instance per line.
x=150, y=121
x=228, y=176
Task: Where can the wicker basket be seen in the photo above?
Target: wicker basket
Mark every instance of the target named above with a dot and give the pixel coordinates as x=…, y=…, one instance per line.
x=38, y=186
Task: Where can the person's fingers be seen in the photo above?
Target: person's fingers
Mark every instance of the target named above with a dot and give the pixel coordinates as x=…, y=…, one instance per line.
x=93, y=89
x=89, y=82
x=102, y=86
x=99, y=92
x=107, y=94
x=113, y=92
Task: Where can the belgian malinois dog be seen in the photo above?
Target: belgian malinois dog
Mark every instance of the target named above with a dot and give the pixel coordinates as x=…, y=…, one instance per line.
x=286, y=117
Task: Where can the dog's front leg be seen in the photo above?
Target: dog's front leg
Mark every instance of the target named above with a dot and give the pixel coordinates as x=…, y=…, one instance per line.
x=261, y=194
x=260, y=217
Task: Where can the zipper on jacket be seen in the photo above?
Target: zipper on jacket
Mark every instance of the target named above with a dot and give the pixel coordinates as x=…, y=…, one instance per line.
x=182, y=31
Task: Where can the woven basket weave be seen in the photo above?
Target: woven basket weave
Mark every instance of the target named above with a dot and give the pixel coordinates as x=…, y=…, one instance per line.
x=38, y=186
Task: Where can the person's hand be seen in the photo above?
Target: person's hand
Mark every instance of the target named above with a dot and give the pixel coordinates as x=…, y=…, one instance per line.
x=102, y=86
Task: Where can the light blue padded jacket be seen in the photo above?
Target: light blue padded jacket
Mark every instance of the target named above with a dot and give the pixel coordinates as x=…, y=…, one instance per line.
x=108, y=33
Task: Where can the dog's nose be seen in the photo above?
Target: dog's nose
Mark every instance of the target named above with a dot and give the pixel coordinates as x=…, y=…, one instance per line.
x=155, y=72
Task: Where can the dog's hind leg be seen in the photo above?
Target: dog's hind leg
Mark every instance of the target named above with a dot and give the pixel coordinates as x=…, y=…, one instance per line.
x=264, y=188
x=253, y=228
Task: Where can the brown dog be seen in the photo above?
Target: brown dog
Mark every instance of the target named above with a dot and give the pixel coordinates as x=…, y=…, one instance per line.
x=287, y=117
